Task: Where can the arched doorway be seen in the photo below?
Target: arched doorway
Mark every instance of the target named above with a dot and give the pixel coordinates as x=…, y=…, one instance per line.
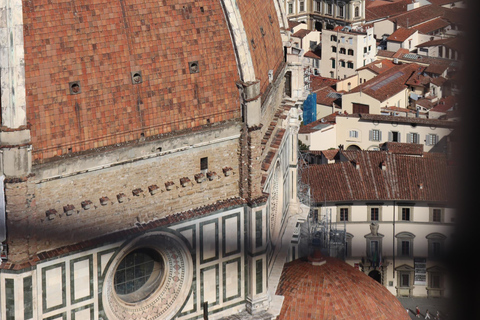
x=376, y=275
x=353, y=148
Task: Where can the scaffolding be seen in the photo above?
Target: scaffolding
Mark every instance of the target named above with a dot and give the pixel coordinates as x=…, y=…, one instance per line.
x=319, y=229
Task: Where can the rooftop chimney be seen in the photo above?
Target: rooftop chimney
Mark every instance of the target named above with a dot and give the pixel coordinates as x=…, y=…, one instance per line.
x=355, y=164
x=383, y=165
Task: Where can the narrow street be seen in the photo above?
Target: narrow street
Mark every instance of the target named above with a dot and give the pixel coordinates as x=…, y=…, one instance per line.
x=432, y=304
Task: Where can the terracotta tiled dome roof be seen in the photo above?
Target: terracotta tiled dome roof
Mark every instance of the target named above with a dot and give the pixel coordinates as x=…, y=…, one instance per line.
x=334, y=290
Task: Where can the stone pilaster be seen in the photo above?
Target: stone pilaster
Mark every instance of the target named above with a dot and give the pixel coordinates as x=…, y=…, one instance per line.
x=15, y=155
x=257, y=237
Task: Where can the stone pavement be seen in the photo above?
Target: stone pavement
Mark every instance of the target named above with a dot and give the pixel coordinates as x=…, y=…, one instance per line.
x=432, y=304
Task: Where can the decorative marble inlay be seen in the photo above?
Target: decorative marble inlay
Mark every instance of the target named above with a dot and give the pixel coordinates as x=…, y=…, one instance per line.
x=172, y=290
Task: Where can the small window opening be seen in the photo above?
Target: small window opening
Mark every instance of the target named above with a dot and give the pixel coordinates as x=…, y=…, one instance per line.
x=193, y=66
x=74, y=87
x=136, y=77
x=204, y=163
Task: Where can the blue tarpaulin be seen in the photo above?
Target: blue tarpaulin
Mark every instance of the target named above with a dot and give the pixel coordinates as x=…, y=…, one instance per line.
x=310, y=109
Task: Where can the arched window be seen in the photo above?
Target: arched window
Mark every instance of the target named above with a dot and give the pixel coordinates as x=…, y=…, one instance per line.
x=357, y=12
x=342, y=50
x=350, y=52
x=405, y=244
x=436, y=245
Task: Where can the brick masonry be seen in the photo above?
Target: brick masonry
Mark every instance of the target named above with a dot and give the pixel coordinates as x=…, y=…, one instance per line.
x=100, y=44
x=27, y=202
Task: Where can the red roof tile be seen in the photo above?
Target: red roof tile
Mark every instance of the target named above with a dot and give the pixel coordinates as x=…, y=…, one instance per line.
x=334, y=290
x=400, y=181
x=401, y=34
x=419, y=15
x=384, y=9
x=390, y=82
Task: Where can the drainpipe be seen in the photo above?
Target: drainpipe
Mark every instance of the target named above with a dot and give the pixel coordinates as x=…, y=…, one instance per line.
x=393, y=240
x=3, y=221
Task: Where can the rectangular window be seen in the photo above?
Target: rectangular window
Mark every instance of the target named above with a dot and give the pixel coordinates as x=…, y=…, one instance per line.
x=436, y=281
x=413, y=137
x=394, y=136
x=259, y=276
x=258, y=229
x=374, y=214
x=343, y=214
x=437, y=215
x=374, y=252
x=333, y=63
x=317, y=6
x=9, y=299
x=290, y=8
x=405, y=214
x=350, y=65
x=431, y=139
x=329, y=9
x=405, y=250
x=375, y=135
x=334, y=49
x=353, y=134
x=302, y=6
x=405, y=280
x=27, y=298
x=341, y=11
x=204, y=163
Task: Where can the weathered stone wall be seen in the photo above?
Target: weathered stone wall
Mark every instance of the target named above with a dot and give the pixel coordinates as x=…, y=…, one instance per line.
x=30, y=229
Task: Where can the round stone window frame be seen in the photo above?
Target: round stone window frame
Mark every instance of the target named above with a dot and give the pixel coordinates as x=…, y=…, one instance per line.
x=164, y=301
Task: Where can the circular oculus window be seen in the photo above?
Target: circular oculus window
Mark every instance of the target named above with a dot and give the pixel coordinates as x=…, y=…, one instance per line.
x=148, y=278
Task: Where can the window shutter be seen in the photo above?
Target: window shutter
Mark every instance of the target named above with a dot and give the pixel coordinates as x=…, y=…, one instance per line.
x=390, y=136
x=379, y=135
x=409, y=137
x=370, y=135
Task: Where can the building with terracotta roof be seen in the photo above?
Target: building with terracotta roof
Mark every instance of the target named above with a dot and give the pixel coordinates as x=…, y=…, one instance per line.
x=429, y=19
x=402, y=38
x=369, y=132
x=396, y=209
x=332, y=289
x=326, y=14
x=345, y=49
x=435, y=67
x=389, y=88
x=147, y=158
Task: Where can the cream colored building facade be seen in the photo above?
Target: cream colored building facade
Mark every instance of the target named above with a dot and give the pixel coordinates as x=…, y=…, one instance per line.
x=397, y=219
x=368, y=132
x=325, y=14
x=345, y=50
x=423, y=234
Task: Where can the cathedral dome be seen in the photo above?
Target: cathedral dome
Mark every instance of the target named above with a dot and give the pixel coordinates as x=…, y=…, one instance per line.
x=334, y=290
